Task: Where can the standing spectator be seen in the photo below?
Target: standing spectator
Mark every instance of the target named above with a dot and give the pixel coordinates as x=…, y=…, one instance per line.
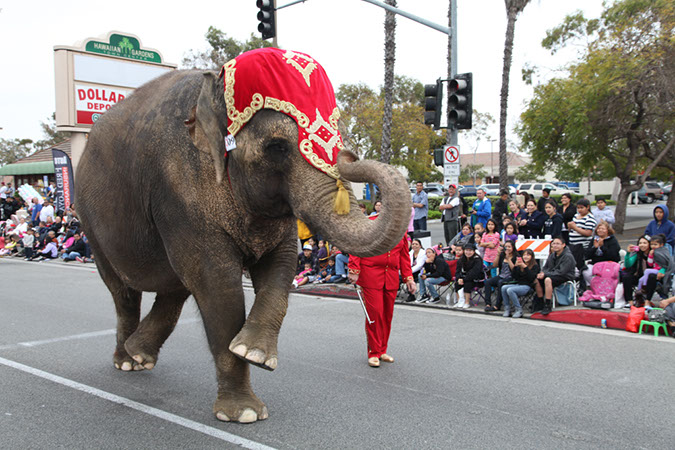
x=582, y=226
x=3, y=191
x=554, y=221
x=482, y=209
x=451, y=212
x=35, y=212
x=378, y=277
x=661, y=225
x=421, y=204
x=605, y=248
x=490, y=242
x=567, y=209
x=436, y=271
x=602, y=212
x=28, y=244
x=558, y=269
x=524, y=274
x=532, y=224
x=47, y=211
x=516, y=213
x=10, y=207
x=501, y=207
x=510, y=232
x=545, y=197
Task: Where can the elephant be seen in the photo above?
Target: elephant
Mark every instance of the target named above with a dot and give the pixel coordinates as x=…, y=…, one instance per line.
x=167, y=209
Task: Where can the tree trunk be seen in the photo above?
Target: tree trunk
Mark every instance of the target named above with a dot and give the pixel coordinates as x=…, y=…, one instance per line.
x=504, y=96
x=622, y=201
x=389, y=60
x=671, y=207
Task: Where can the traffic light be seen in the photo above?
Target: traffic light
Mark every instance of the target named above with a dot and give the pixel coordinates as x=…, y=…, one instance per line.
x=438, y=157
x=460, y=102
x=266, y=17
x=433, y=94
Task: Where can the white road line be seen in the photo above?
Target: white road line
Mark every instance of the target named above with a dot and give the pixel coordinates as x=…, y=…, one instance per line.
x=187, y=423
x=73, y=337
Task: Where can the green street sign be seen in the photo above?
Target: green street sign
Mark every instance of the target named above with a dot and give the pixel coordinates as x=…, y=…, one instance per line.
x=123, y=47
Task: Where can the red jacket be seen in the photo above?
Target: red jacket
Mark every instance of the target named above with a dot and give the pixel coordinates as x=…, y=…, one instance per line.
x=381, y=272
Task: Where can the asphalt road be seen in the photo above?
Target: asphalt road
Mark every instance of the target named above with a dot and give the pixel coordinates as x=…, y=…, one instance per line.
x=459, y=381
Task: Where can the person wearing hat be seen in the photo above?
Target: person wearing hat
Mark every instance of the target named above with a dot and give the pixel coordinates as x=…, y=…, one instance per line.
x=378, y=277
x=469, y=270
x=451, y=213
x=307, y=257
x=545, y=196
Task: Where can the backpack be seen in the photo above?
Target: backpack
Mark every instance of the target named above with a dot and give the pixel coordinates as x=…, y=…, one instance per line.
x=603, y=284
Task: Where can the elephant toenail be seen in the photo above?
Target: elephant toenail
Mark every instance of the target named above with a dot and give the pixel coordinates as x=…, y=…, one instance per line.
x=256, y=356
x=239, y=350
x=149, y=366
x=271, y=363
x=264, y=414
x=222, y=416
x=126, y=366
x=248, y=416
x=138, y=358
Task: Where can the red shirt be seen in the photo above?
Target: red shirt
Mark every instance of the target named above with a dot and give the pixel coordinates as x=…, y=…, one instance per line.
x=381, y=272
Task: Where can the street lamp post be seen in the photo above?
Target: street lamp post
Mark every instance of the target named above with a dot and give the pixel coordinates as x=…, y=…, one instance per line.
x=492, y=171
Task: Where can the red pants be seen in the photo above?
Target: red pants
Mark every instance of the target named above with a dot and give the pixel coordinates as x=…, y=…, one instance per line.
x=380, y=307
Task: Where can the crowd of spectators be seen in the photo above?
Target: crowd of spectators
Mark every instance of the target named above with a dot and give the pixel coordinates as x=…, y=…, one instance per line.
x=480, y=254
x=36, y=231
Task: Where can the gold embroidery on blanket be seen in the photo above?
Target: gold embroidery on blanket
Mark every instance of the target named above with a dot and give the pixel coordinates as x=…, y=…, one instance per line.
x=306, y=72
x=307, y=149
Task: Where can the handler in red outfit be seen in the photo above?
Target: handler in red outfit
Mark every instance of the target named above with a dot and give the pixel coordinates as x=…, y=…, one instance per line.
x=378, y=276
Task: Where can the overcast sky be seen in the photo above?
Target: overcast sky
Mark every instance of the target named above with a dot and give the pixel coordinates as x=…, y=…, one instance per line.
x=345, y=36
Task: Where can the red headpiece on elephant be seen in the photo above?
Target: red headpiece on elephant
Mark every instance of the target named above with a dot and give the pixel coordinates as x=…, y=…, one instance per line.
x=295, y=84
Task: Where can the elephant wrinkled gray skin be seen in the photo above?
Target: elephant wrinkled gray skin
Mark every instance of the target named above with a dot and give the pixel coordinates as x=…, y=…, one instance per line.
x=164, y=214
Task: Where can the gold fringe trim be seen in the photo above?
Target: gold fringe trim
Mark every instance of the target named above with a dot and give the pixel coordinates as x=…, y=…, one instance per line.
x=341, y=206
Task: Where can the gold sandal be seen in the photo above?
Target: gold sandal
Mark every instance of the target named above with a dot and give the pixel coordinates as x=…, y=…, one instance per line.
x=374, y=361
x=386, y=358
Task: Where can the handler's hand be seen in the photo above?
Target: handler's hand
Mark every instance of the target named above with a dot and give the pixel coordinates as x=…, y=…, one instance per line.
x=353, y=278
x=412, y=286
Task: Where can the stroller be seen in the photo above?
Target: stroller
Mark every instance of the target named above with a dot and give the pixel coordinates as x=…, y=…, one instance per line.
x=603, y=286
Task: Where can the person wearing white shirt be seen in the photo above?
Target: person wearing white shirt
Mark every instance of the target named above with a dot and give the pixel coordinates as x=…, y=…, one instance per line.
x=46, y=211
x=3, y=191
x=417, y=260
x=451, y=213
x=602, y=212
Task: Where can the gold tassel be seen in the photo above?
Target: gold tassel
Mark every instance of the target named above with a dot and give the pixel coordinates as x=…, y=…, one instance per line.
x=341, y=206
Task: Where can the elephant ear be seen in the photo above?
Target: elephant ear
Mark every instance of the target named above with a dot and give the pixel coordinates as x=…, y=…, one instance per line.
x=204, y=124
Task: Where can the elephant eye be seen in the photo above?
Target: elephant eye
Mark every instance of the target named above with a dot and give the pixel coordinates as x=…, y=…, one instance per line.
x=277, y=149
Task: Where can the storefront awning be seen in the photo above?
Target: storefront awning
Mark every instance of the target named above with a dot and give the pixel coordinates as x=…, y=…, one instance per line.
x=32, y=168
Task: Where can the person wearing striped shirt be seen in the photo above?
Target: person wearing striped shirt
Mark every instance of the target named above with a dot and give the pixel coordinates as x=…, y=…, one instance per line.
x=582, y=226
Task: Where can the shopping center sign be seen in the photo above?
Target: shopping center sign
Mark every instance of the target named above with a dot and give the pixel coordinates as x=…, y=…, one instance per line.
x=91, y=78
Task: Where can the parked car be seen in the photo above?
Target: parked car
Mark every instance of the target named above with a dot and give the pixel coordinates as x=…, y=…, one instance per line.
x=431, y=192
x=650, y=192
x=436, y=186
x=534, y=189
x=667, y=189
x=467, y=191
x=565, y=186
x=493, y=189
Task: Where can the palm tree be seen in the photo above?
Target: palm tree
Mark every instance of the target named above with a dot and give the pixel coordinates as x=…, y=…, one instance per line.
x=389, y=59
x=513, y=8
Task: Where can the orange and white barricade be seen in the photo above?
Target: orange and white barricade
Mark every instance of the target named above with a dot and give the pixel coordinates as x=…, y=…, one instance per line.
x=540, y=247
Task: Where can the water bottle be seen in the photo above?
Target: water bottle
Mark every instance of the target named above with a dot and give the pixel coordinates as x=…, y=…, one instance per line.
x=603, y=323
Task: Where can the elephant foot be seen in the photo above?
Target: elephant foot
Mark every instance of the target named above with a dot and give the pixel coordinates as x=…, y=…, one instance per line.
x=251, y=347
x=242, y=408
x=141, y=356
x=124, y=362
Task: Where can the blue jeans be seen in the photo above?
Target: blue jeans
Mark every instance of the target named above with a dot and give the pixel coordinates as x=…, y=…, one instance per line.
x=420, y=224
x=432, y=282
x=512, y=292
x=70, y=256
x=341, y=262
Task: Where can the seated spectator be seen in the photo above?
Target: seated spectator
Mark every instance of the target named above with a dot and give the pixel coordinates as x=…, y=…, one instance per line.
x=661, y=225
x=327, y=274
x=417, y=260
x=21, y=228
x=545, y=197
x=635, y=264
x=463, y=237
x=479, y=228
x=533, y=222
x=50, y=250
x=75, y=250
x=668, y=305
x=524, y=274
x=553, y=222
x=362, y=206
x=436, y=271
x=303, y=277
x=558, y=269
x=377, y=207
x=605, y=248
x=469, y=271
x=307, y=257
x=516, y=213
x=510, y=232
x=322, y=253
x=663, y=262
x=505, y=263
x=341, y=265
x=603, y=212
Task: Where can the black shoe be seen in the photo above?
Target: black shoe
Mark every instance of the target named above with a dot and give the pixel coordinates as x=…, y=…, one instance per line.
x=434, y=300
x=537, y=304
x=411, y=298
x=341, y=280
x=548, y=304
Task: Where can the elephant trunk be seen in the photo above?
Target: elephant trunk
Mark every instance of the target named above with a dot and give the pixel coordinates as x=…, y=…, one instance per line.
x=354, y=233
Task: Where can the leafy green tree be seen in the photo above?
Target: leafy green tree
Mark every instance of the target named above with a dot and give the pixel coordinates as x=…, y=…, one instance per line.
x=615, y=107
x=52, y=137
x=12, y=150
x=222, y=49
x=472, y=172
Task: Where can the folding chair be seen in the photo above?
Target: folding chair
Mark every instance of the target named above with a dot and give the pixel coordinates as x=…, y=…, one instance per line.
x=572, y=285
x=479, y=289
